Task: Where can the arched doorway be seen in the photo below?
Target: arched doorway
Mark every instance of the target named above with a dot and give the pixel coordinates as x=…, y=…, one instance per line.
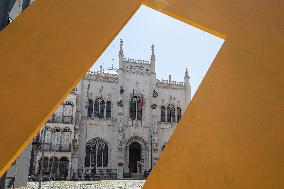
x=53, y=167
x=134, y=157
x=63, y=168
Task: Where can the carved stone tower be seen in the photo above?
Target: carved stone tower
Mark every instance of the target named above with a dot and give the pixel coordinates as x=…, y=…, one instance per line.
x=187, y=87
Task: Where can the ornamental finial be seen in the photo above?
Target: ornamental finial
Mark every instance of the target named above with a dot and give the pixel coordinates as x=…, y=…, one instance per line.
x=186, y=73
x=152, y=48
x=153, y=53
x=121, y=47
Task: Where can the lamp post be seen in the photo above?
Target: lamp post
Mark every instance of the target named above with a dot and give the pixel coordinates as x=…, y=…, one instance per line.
x=42, y=142
x=151, y=151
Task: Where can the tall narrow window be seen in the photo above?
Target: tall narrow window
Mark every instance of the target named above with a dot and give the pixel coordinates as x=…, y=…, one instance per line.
x=100, y=156
x=66, y=139
x=68, y=112
x=108, y=109
x=105, y=156
x=58, y=115
x=90, y=108
x=87, y=157
x=102, y=109
x=163, y=114
x=56, y=139
x=178, y=113
x=168, y=114
x=173, y=114
x=48, y=134
x=96, y=108
x=99, y=108
x=93, y=156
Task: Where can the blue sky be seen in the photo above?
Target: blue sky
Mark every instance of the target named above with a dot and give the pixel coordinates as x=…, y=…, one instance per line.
x=177, y=46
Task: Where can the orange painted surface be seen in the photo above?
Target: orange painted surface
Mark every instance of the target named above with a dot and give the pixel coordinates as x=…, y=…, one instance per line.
x=43, y=54
x=231, y=136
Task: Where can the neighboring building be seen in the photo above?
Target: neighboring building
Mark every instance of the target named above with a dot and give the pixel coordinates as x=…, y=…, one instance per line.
x=10, y=9
x=113, y=124
x=17, y=174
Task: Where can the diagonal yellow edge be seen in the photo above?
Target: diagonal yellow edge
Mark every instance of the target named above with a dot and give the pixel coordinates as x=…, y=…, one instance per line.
x=43, y=55
x=232, y=134
x=233, y=137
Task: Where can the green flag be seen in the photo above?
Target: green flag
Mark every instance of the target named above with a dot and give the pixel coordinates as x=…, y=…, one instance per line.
x=131, y=102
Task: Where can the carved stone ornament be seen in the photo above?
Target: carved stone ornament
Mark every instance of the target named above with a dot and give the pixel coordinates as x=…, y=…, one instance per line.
x=120, y=103
x=154, y=106
x=155, y=93
x=121, y=90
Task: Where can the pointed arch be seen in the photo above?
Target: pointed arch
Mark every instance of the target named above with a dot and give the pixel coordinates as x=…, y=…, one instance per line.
x=97, y=154
x=108, y=109
x=178, y=114
x=163, y=113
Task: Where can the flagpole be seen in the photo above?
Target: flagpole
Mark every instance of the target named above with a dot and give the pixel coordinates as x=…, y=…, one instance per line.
x=141, y=109
x=132, y=105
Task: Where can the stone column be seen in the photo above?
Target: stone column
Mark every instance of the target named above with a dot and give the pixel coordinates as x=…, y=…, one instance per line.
x=22, y=167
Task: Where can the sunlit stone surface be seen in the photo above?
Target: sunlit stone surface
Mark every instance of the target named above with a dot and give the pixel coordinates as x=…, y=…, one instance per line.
x=106, y=184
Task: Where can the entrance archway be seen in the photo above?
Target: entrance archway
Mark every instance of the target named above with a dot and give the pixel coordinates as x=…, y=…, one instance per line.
x=134, y=157
x=63, y=168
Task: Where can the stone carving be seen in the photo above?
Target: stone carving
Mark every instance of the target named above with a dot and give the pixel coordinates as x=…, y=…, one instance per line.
x=155, y=143
x=155, y=93
x=120, y=103
x=154, y=106
x=101, y=76
x=120, y=134
x=121, y=90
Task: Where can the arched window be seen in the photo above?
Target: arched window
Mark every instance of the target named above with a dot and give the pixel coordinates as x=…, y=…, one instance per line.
x=96, y=108
x=173, y=114
x=163, y=114
x=66, y=139
x=178, y=113
x=136, y=105
x=90, y=108
x=168, y=114
x=108, y=109
x=67, y=112
x=47, y=138
x=96, y=153
x=102, y=108
x=99, y=108
x=56, y=139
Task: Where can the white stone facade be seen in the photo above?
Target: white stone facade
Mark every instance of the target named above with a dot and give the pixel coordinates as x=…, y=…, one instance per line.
x=110, y=130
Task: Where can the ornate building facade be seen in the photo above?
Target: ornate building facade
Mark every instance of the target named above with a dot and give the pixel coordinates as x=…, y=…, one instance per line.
x=113, y=124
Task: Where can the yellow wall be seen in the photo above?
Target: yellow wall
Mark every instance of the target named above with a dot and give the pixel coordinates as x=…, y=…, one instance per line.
x=231, y=136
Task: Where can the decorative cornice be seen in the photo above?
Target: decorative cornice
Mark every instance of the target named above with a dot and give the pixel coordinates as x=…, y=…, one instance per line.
x=101, y=76
x=170, y=84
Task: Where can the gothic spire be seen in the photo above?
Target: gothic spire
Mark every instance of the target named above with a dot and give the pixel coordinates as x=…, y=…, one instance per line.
x=121, y=47
x=153, y=52
x=186, y=73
